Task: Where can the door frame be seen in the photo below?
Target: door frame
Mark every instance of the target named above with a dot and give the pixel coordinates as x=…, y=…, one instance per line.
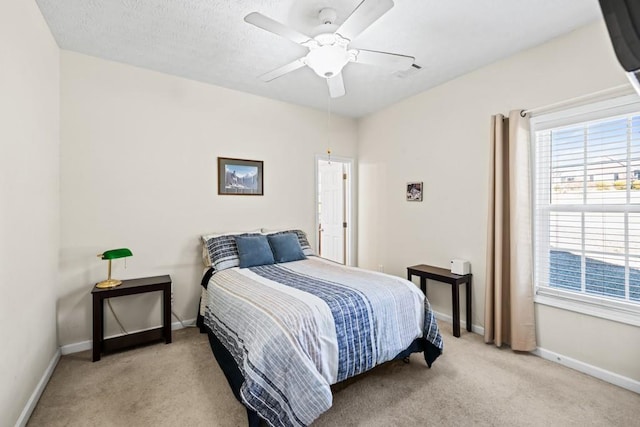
x=350, y=204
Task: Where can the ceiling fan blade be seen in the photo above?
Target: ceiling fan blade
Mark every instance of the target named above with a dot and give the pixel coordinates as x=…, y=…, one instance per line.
x=336, y=86
x=392, y=61
x=364, y=15
x=292, y=66
x=266, y=23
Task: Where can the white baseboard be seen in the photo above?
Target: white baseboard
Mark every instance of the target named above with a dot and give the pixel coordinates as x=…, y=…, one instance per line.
x=185, y=324
x=75, y=347
x=35, y=396
x=88, y=345
x=463, y=325
x=585, y=368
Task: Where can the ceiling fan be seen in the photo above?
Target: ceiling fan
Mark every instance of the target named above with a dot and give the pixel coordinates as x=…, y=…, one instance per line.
x=329, y=47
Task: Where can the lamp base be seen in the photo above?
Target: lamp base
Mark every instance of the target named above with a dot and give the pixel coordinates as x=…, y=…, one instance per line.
x=109, y=283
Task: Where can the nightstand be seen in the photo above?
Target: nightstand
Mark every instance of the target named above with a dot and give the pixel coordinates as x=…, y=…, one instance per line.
x=446, y=276
x=131, y=287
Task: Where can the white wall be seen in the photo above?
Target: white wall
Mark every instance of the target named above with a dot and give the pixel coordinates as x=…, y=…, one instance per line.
x=29, y=202
x=139, y=170
x=441, y=137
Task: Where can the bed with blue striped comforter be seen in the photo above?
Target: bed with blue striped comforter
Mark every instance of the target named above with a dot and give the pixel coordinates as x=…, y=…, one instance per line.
x=294, y=329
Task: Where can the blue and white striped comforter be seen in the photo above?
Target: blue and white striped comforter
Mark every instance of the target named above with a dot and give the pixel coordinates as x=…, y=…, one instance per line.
x=296, y=328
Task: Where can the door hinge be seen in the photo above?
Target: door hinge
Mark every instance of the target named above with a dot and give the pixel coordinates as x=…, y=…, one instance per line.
x=344, y=176
x=344, y=225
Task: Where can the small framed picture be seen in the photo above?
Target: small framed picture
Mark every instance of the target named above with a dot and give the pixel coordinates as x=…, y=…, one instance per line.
x=414, y=191
x=240, y=177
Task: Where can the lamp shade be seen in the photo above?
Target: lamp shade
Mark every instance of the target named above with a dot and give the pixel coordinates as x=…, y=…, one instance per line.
x=116, y=253
x=109, y=255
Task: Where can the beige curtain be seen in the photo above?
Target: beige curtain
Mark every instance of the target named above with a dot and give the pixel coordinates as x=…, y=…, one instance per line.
x=509, y=313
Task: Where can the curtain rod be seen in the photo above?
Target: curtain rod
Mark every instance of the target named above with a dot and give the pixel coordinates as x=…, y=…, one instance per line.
x=577, y=99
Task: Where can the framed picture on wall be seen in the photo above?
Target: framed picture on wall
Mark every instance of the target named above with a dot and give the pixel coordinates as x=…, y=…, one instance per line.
x=414, y=191
x=240, y=177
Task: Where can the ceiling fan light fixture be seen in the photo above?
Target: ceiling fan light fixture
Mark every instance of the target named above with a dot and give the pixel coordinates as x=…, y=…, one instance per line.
x=327, y=61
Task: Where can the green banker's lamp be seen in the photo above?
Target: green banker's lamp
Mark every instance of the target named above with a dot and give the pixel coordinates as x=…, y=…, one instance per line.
x=112, y=254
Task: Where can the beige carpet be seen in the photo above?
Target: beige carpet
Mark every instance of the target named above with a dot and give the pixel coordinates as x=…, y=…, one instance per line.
x=180, y=384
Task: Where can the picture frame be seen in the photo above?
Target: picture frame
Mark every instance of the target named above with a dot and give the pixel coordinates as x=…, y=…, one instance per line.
x=414, y=191
x=240, y=177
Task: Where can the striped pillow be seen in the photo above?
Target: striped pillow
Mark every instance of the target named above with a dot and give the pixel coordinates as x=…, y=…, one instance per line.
x=220, y=250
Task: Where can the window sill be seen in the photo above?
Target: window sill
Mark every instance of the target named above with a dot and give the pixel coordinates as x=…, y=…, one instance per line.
x=611, y=310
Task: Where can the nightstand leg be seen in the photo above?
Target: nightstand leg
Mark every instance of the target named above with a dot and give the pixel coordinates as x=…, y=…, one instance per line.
x=166, y=311
x=455, y=297
x=97, y=328
x=469, y=317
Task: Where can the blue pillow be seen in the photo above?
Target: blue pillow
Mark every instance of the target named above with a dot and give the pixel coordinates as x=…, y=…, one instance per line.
x=254, y=250
x=302, y=239
x=286, y=247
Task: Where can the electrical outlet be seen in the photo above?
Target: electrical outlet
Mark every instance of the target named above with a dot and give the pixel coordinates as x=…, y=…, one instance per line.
x=381, y=268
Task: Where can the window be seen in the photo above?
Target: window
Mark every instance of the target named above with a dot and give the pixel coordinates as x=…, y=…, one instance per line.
x=587, y=208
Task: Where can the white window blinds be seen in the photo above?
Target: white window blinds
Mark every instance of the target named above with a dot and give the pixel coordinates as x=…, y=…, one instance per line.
x=587, y=201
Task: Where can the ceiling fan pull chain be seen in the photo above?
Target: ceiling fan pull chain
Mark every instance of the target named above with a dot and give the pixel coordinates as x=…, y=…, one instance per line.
x=329, y=127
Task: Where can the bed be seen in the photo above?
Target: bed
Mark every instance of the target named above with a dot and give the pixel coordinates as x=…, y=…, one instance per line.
x=285, y=325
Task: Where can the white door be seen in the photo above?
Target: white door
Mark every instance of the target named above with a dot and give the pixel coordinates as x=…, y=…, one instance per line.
x=332, y=210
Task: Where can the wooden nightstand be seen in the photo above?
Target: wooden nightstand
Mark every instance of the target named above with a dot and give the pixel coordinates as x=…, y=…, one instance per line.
x=131, y=287
x=443, y=275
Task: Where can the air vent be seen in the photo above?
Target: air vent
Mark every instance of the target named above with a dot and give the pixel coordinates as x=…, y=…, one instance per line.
x=408, y=73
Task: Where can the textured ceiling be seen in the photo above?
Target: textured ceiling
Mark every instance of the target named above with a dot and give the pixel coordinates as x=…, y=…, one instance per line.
x=208, y=41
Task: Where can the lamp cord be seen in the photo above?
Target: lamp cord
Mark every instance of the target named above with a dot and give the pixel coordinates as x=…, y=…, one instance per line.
x=124, y=331
x=193, y=325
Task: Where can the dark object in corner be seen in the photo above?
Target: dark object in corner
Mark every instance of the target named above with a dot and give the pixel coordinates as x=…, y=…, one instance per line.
x=623, y=23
